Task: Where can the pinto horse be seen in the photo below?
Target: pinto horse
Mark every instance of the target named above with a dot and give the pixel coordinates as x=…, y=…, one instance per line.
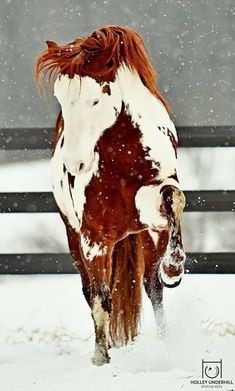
x=115, y=178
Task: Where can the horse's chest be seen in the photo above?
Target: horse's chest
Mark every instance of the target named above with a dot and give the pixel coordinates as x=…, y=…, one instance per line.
x=105, y=196
x=94, y=199
x=69, y=191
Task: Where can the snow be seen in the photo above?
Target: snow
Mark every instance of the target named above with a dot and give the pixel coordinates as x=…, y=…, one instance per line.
x=17, y=174
x=47, y=337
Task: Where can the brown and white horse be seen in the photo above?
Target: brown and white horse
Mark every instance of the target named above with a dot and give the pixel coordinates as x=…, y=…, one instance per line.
x=115, y=178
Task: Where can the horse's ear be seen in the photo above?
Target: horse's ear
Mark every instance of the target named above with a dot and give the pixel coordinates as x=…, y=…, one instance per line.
x=51, y=44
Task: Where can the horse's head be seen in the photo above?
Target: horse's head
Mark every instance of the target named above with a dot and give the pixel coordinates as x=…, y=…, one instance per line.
x=86, y=74
x=88, y=109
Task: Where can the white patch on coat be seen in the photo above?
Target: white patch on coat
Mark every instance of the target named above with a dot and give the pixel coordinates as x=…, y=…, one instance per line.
x=73, y=207
x=92, y=250
x=148, y=113
x=148, y=201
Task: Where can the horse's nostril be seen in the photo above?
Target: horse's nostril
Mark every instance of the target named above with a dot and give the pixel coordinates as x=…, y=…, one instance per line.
x=81, y=166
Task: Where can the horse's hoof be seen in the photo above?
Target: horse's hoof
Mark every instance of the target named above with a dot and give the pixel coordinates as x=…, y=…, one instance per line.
x=100, y=358
x=165, y=280
x=174, y=285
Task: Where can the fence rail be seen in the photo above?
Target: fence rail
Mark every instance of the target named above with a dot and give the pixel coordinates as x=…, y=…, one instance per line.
x=190, y=136
x=50, y=263
x=43, y=202
x=30, y=202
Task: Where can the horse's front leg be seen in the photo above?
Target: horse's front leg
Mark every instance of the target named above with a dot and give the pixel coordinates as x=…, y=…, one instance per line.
x=171, y=267
x=99, y=269
x=161, y=208
x=101, y=307
x=154, y=246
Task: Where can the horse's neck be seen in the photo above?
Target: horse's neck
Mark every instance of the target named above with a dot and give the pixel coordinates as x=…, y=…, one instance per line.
x=130, y=83
x=139, y=100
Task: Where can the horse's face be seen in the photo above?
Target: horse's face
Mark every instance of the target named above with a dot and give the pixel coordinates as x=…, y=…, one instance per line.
x=88, y=109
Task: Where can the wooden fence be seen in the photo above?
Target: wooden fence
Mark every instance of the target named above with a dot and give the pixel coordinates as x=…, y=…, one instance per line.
x=43, y=202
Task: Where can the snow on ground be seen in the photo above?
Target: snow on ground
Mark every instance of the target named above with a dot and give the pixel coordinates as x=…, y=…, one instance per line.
x=47, y=338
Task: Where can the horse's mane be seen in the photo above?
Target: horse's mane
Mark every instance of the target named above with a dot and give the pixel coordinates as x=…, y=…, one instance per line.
x=99, y=56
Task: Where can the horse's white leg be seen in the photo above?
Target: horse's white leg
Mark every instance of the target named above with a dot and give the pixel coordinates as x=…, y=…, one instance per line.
x=95, y=276
x=160, y=320
x=156, y=297
x=154, y=245
x=101, y=317
x=99, y=270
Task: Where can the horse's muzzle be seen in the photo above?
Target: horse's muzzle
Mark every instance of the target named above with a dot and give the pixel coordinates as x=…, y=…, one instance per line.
x=78, y=167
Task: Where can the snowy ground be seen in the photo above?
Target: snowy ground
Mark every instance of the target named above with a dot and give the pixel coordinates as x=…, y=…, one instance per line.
x=47, y=338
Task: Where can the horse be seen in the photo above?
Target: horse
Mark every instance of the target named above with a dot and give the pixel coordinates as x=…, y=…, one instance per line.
x=115, y=178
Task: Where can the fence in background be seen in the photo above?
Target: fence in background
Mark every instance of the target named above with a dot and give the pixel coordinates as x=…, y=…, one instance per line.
x=43, y=202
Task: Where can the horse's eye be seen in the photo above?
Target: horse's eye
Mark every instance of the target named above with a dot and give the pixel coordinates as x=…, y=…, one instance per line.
x=96, y=101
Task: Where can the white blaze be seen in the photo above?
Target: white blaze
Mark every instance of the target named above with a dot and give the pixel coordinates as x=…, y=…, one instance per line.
x=87, y=112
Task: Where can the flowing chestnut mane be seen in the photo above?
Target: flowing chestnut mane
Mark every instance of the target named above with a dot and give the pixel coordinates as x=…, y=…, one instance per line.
x=99, y=56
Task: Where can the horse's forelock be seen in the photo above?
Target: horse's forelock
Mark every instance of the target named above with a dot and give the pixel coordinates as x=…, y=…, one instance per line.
x=109, y=42
x=99, y=56
x=58, y=59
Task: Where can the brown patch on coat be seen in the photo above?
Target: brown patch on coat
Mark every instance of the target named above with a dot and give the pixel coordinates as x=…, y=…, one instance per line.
x=106, y=89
